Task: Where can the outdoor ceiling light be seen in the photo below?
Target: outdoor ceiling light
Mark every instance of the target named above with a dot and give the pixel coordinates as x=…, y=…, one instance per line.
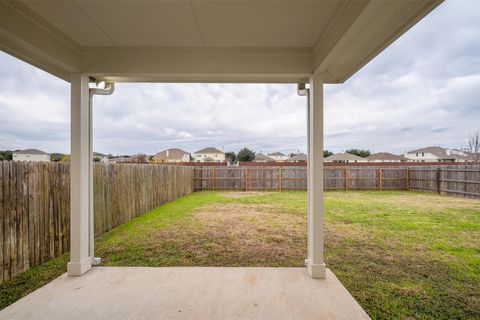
x=302, y=89
x=100, y=84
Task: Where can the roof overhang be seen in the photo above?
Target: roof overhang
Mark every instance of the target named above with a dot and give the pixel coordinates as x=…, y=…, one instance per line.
x=205, y=41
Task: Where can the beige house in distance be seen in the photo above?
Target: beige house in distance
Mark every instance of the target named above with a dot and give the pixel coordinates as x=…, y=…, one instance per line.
x=209, y=154
x=30, y=155
x=278, y=156
x=172, y=155
x=436, y=154
x=344, y=157
x=301, y=157
x=260, y=157
x=385, y=157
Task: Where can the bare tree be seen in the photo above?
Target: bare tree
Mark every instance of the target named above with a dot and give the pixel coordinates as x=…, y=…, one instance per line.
x=474, y=146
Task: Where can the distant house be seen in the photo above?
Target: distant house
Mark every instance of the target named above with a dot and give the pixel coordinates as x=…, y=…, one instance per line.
x=278, y=156
x=209, y=155
x=260, y=157
x=344, y=157
x=172, y=155
x=30, y=155
x=103, y=158
x=301, y=157
x=120, y=160
x=436, y=154
x=385, y=157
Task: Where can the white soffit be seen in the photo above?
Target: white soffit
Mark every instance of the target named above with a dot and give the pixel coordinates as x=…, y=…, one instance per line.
x=226, y=41
x=189, y=23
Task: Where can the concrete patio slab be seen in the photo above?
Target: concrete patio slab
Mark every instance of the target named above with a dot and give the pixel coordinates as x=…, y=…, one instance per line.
x=189, y=293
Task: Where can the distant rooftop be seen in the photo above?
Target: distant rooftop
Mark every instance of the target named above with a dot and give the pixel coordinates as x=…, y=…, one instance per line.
x=343, y=157
x=30, y=151
x=262, y=157
x=209, y=150
x=276, y=154
x=385, y=156
x=170, y=154
x=98, y=154
x=442, y=153
x=298, y=157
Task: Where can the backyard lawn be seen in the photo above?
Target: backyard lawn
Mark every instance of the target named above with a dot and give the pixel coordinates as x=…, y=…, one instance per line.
x=400, y=254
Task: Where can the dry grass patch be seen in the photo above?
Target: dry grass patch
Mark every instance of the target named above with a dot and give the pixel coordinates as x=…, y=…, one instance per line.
x=238, y=235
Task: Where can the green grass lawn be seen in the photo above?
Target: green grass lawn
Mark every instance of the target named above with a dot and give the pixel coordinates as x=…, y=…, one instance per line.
x=401, y=254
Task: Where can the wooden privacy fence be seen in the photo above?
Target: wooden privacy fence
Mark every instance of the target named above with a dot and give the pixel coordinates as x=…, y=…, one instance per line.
x=449, y=180
x=35, y=205
x=453, y=180
x=295, y=178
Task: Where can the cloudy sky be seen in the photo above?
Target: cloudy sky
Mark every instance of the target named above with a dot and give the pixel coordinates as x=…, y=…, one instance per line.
x=423, y=90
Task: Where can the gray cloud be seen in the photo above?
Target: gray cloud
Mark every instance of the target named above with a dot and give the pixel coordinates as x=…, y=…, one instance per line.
x=422, y=90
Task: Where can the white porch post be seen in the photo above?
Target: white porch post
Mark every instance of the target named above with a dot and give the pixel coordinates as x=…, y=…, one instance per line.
x=315, y=261
x=80, y=182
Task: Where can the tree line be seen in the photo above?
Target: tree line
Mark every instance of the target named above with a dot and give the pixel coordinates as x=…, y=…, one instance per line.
x=247, y=155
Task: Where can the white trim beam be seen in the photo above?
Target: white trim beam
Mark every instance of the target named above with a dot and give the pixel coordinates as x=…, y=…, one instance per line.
x=120, y=64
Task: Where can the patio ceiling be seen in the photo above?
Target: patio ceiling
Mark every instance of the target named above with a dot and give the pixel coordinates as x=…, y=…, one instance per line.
x=231, y=41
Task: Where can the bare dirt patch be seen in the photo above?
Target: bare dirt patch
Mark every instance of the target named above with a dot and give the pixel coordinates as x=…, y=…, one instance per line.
x=238, y=234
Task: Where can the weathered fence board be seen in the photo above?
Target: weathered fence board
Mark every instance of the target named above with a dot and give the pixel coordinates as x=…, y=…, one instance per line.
x=35, y=205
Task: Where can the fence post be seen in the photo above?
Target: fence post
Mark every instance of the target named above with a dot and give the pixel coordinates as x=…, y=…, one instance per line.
x=213, y=179
x=246, y=179
x=380, y=177
x=438, y=179
x=345, y=176
x=408, y=179
x=279, y=178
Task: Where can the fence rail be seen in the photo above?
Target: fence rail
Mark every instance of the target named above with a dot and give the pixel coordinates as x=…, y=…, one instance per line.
x=455, y=180
x=35, y=205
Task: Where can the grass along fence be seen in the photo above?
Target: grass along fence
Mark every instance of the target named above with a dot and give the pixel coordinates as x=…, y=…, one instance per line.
x=453, y=180
x=35, y=205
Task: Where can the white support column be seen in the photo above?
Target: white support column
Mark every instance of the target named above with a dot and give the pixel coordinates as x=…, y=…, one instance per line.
x=315, y=261
x=91, y=232
x=80, y=182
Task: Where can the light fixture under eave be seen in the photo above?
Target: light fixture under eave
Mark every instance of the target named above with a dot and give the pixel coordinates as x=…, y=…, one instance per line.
x=100, y=84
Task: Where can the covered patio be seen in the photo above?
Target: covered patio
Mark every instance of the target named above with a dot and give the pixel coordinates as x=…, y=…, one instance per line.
x=189, y=293
x=309, y=43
